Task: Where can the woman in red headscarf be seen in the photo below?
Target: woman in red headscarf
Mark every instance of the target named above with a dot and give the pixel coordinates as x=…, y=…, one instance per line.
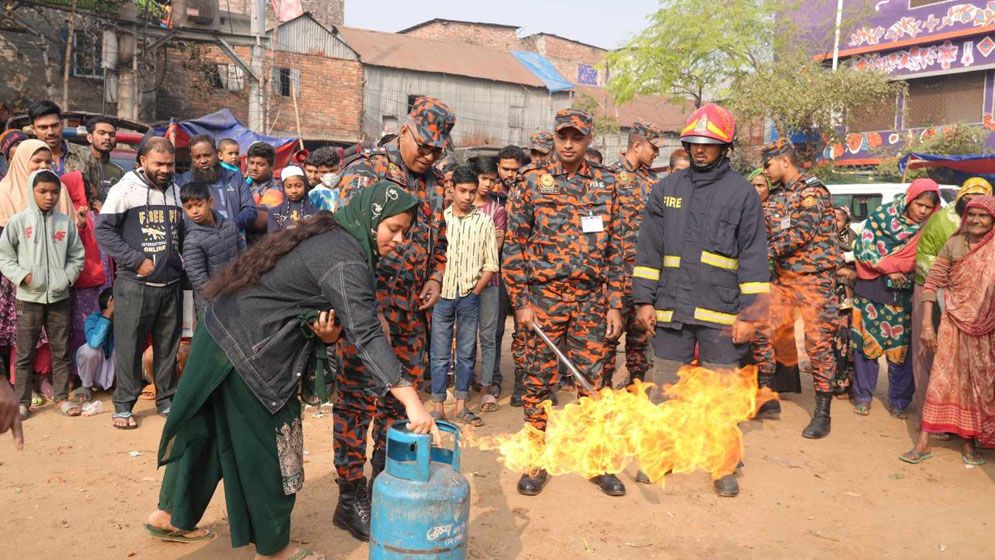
x=960, y=398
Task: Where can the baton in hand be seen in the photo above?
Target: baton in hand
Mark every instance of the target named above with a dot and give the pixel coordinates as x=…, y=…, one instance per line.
x=578, y=377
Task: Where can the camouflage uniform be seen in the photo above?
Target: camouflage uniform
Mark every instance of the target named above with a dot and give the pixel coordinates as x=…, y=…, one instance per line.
x=541, y=141
x=806, y=253
x=569, y=277
x=400, y=279
x=632, y=190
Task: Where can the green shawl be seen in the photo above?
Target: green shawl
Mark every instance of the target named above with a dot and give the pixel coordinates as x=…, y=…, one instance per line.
x=366, y=209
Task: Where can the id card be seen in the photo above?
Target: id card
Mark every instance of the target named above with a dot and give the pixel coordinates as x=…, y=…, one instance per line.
x=786, y=222
x=592, y=224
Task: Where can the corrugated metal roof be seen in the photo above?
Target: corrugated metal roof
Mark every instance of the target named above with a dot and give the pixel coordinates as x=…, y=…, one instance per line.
x=442, y=57
x=306, y=35
x=653, y=109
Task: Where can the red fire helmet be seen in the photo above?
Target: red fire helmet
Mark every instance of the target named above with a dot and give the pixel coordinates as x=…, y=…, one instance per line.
x=709, y=124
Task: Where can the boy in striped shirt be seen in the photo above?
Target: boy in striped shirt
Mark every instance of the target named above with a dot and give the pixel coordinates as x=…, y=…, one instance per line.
x=472, y=259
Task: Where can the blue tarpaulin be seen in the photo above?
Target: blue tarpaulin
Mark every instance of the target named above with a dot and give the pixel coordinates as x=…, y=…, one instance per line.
x=544, y=70
x=223, y=124
x=953, y=169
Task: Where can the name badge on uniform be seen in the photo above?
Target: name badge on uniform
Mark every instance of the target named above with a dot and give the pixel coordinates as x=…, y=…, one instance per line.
x=592, y=224
x=786, y=222
x=547, y=185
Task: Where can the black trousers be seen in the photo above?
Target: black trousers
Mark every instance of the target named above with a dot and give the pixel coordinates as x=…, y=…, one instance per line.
x=31, y=317
x=140, y=310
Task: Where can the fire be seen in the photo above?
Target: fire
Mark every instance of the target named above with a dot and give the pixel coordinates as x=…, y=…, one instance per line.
x=696, y=428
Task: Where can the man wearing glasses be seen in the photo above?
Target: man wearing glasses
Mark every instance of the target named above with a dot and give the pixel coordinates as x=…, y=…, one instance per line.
x=409, y=283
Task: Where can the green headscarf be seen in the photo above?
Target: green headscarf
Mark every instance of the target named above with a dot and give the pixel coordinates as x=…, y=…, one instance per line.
x=367, y=209
x=756, y=173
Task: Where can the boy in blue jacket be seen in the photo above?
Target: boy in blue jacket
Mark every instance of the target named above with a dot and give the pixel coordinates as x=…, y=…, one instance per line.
x=41, y=253
x=95, y=359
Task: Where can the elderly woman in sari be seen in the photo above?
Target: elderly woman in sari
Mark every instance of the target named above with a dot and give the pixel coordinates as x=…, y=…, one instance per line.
x=885, y=255
x=935, y=234
x=960, y=398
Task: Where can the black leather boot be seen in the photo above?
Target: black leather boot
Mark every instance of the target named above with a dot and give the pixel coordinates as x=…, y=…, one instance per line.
x=819, y=426
x=609, y=484
x=643, y=478
x=532, y=484
x=770, y=410
x=353, y=510
x=727, y=486
x=519, y=390
x=378, y=461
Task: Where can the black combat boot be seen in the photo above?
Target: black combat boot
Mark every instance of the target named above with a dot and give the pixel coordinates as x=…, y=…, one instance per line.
x=377, y=464
x=532, y=484
x=727, y=486
x=353, y=510
x=609, y=484
x=770, y=410
x=819, y=426
x=519, y=390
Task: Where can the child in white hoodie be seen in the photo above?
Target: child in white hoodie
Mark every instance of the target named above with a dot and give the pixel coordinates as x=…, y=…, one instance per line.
x=41, y=253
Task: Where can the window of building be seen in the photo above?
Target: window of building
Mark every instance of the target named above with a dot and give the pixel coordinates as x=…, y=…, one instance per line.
x=874, y=117
x=286, y=81
x=412, y=99
x=941, y=100
x=229, y=77
x=87, y=54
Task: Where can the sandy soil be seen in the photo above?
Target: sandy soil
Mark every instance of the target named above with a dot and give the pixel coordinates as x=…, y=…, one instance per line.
x=76, y=492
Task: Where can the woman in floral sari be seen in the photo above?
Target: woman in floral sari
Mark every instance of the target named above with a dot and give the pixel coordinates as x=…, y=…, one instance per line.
x=960, y=398
x=885, y=255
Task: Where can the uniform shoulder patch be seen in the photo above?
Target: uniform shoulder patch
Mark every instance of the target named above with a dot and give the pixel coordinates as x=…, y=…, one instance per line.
x=809, y=201
x=623, y=177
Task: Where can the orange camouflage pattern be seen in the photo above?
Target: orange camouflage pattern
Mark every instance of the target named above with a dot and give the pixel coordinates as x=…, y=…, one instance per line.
x=400, y=279
x=433, y=121
x=652, y=133
x=573, y=118
x=541, y=141
x=569, y=277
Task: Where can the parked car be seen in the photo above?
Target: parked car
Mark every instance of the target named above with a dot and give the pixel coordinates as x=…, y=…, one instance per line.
x=862, y=199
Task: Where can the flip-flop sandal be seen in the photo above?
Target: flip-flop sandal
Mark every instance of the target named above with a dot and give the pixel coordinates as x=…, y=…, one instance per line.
x=899, y=413
x=467, y=417
x=974, y=459
x=862, y=409
x=37, y=399
x=148, y=393
x=304, y=553
x=178, y=535
x=488, y=403
x=67, y=407
x=914, y=458
x=131, y=423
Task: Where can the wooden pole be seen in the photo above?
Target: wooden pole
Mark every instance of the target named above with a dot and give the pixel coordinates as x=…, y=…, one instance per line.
x=297, y=114
x=68, y=60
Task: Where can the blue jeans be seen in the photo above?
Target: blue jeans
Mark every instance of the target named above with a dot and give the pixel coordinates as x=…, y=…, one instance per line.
x=463, y=313
x=489, y=312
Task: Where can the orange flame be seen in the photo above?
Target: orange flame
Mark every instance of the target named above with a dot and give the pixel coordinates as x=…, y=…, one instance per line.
x=696, y=428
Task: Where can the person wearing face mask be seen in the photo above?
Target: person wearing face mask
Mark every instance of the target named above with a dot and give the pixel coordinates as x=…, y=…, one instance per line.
x=324, y=193
x=701, y=275
x=409, y=283
x=141, y=227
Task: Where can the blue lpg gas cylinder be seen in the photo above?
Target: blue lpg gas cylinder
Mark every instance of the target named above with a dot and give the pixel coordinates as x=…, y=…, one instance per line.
x=421, y=502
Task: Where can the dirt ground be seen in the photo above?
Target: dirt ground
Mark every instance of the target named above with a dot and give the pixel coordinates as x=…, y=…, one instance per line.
x=77, y=491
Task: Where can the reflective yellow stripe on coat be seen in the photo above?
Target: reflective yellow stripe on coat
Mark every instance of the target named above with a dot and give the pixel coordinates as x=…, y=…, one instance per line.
x=702, y=314
x=664, y=315
x=672, y=261
x=750, y=288
x=718, y=261
x=646, y=273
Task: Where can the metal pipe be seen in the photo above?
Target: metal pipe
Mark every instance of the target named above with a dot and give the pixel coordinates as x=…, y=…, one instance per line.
x=578, y=377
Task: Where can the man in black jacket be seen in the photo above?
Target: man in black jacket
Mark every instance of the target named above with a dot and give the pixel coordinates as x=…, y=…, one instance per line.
x=141, y=227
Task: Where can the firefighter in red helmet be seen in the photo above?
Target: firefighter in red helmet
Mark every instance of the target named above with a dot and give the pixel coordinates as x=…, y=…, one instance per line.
x=701, y=274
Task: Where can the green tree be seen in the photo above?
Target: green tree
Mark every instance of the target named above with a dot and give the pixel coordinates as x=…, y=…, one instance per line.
x=604, y=123
x=800, y=94
x=955, y=140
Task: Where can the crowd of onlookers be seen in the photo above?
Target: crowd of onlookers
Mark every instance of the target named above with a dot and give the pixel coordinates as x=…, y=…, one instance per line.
x=73, y=219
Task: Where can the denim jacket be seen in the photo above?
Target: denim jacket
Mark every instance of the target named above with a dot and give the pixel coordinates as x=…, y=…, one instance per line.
x=258, y=327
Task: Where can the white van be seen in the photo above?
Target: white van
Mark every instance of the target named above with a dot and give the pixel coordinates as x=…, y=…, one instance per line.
x=862, y=199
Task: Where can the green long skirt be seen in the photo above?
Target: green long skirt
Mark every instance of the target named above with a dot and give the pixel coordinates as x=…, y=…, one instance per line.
x=218, y=430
